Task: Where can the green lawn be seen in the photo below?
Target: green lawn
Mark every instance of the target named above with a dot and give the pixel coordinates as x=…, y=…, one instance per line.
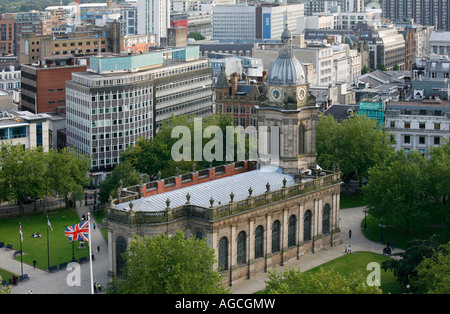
x=357, y=262
x=396, y=232
x=351, y=200
x=60, y=248
x=5, y=275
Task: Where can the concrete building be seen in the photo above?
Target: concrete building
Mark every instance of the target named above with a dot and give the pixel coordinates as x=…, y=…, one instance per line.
x=122, y=98
x=10, y=77
x=154, y=18
x=418, y=124
x=439, y=43
x=24, y=128
x=386, y=45
x=249, y=22
x=331, y=63
x=77, y=44
x=430, y=13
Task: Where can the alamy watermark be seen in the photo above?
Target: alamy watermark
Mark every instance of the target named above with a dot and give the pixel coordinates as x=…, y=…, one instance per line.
x=374, y=277
x=263, y=144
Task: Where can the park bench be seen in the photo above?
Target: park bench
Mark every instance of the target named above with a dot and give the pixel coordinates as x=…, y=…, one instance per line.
x=51, y=269
x=24, y=277
x=62, y=266
x=2, y=244
x=9, y=247
x=4, y=283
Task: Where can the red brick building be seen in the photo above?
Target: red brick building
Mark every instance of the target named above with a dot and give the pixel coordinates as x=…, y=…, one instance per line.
x=238, y=97
x=44, y=87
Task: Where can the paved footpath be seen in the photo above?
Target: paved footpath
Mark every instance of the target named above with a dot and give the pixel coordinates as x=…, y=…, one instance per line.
x=42, y=282
x=350, y=219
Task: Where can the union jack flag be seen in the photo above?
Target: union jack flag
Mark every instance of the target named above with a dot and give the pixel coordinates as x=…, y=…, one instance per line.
x=78, y=232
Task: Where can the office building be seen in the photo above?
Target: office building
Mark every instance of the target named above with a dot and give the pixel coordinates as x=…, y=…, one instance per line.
x=154, y=18
x=425, y=12
x=240, y=22
x=120, y=99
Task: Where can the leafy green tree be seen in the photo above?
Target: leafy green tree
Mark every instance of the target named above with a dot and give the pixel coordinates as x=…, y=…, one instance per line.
x=293, y=281
x=68, y=173
x=438, y=168
x=356, y=145
x=397, y=189
x=23, y=174
x=405, y=268
x=169, y=264
x=5, y=289
x=196, y=36
x=364, y=70
x=108, y=187
x=151, y=156
x=433, y=273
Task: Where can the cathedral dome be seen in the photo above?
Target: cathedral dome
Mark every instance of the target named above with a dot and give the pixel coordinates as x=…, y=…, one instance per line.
x=286, y=70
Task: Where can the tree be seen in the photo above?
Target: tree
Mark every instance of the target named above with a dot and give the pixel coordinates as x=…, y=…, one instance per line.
x=124, y=172
x=397, y=189
x=356, y=145
x=433, y=273
x=155, y=155
x=293, y=281
x=405, y=267
x=169, y=264
x=196, y=36
x=411, y=187
x=364, y=70
x=68, y=173
x=23, y=174
x=438, y=168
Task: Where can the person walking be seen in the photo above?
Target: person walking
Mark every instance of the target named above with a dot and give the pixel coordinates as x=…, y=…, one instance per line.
x=350, y=234
x=34, y=264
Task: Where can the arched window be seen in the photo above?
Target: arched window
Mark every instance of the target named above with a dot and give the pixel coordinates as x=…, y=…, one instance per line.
x=259, y=242
x=276, y=236
x=223, y=254
x=307, y=226
x=292, y=231
x=242, y=248
x=326, y=219
x=121, y=247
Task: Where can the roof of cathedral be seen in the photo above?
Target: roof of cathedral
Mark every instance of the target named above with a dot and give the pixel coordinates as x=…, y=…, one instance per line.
x=219, y=190
x=286, y=69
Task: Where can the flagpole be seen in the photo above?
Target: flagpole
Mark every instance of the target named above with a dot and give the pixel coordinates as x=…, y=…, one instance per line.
x=90, y=252
x=48, y=247
x=21, y=239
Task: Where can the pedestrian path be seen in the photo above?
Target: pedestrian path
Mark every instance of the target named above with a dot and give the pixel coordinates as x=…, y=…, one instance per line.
x=43, y=282
x=350, y=219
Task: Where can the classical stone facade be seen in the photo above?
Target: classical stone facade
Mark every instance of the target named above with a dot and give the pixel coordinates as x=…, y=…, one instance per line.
x=250, y=235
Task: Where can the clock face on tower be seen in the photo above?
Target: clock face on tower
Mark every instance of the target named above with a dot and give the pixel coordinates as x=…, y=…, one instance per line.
x=276, y=94
x=301, y=93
